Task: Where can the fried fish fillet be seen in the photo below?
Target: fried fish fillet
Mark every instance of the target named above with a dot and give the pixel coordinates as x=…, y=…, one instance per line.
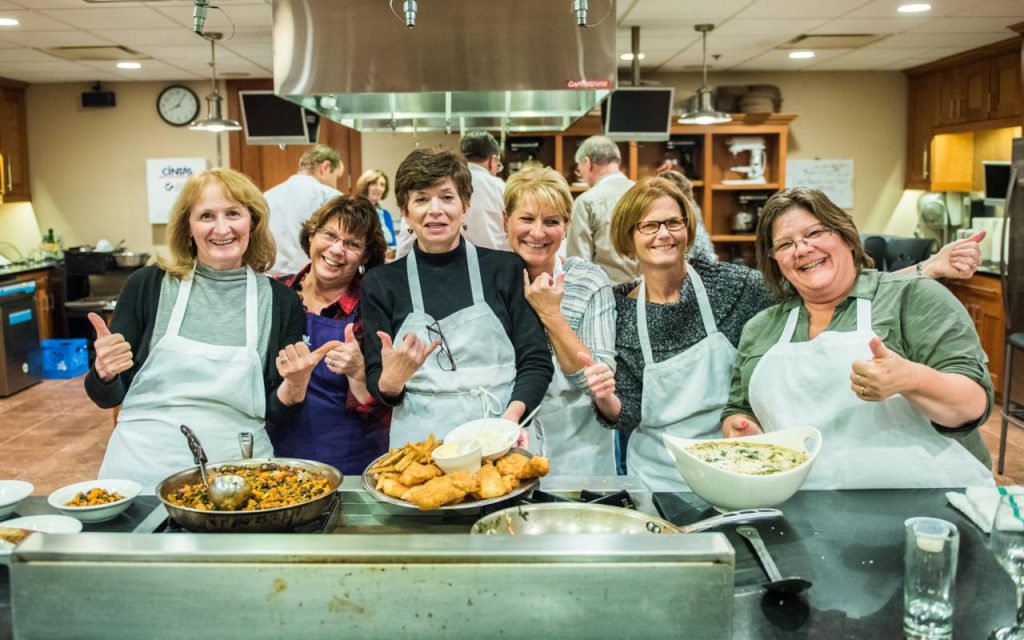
x=435, y=493
x=417, y=473
x=465, y=481
x=13, y=535
x=491, y=485
x=518, y=465
x=392, y=486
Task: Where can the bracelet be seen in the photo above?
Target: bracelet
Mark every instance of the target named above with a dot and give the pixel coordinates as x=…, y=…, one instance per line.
x=919, y=268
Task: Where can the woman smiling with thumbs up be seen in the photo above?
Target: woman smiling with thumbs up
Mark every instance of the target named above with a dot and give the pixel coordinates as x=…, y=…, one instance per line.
x=193, y=341
x=888, y=366
x=341, y=423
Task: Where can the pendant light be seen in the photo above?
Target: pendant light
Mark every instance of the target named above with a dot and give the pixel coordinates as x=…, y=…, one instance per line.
x=705, y=112
x=214, y=122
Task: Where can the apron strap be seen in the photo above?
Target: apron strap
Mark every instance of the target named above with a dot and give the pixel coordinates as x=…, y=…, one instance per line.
x=413, y=275
x=474, y=273
x=864, y=315
x=180, y=303
x=790, y=328
x=703, y=305
x=489, y=403
x=251, y=321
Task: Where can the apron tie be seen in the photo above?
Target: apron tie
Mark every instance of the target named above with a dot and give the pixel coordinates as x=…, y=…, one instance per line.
x=489, y=403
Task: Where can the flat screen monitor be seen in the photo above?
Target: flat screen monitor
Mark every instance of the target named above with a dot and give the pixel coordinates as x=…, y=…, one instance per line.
x=269, y=119
x=639, y=113
x=997, y=180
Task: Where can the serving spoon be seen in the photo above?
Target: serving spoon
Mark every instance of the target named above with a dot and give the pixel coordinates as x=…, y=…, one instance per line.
x=227, y=492
x=776, y=583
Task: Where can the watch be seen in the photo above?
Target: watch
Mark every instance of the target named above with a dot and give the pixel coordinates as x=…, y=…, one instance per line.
x=177, y=105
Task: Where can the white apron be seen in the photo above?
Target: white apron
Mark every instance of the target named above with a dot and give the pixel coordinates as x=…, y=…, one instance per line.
x=866, y=445
x=437, y=401
x=566, y=429
x=216, y=390
x=682, y=396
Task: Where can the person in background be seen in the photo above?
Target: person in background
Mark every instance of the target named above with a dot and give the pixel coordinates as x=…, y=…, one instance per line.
x=373, y=185
x=295, y=199
x=702, y=242
x=884, y=364
x=573, y=299
x=597, y=163
x=341, y=424
x=449, y=336
x=193, y=339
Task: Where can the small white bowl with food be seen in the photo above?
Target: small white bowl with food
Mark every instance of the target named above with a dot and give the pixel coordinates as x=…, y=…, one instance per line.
x=746, y=473
x=12, y=492
x=495, y=435
x=458, y=455
x=95, y=500
x=14, y=531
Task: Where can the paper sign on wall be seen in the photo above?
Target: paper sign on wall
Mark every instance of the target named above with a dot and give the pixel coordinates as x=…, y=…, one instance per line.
x=834, y=177
x=165, y=178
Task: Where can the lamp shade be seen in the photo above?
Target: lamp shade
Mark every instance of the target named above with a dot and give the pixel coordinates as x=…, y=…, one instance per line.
x=705, y=113
x=215, y=122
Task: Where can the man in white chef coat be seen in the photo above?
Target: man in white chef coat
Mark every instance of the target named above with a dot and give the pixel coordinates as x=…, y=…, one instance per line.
x=597, y=163
x=294, y=200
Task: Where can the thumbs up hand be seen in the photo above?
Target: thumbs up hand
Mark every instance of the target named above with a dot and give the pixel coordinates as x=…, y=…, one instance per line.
x=544, y=294
x=399, y=362
x=885, y=374
x=959, y=259
x=295, y=362
x=346, y=359
x=600, y=377
x=113, y=353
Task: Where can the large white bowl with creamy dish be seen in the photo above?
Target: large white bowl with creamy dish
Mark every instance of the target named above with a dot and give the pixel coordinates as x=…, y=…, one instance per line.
x=730, y=490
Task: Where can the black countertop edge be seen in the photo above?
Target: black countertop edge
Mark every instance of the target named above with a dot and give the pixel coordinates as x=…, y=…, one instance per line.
x=14, y=270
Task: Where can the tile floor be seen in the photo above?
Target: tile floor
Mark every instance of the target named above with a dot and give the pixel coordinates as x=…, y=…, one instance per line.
x=51, y=435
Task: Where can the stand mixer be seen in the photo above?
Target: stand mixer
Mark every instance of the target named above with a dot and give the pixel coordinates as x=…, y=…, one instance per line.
x=758, y=157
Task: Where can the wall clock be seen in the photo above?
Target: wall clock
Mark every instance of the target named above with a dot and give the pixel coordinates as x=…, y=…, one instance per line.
x=177, y=105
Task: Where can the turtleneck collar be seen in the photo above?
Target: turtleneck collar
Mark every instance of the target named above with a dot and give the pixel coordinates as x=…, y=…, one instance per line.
x=441, y=259
x=228, y=275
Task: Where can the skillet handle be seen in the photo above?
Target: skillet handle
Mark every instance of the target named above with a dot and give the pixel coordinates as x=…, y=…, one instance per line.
x=245, y=442
x=198, y=455
x=731, y=517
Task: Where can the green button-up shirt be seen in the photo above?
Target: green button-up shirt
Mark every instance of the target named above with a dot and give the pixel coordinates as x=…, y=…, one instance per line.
x=916, y=317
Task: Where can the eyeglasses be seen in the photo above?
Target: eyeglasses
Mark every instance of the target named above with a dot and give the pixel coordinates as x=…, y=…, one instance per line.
x=651, y=227
x=330, y=238
x=501, y=166
x=814, y=235
x=444, y=353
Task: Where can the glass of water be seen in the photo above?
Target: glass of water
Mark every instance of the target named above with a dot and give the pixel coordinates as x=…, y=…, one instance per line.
x=929, y=578
x=1007, y=543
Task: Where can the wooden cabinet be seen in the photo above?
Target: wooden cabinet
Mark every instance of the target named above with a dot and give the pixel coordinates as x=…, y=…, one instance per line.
x=923, y=109
x=1005, y=86
x=704, y=154
x=14, y=186
x=982, y=295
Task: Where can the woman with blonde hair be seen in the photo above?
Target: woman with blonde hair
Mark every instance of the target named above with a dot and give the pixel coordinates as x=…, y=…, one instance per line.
x=573, y=299
x=193, y=340
x=373, y=185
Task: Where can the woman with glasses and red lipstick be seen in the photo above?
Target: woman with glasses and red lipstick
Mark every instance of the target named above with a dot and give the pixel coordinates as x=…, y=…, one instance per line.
x=341, y=424
x=884, y=364
x=450, y=337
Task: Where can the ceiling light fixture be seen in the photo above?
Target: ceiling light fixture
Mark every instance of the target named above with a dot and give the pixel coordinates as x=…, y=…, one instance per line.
x=214, y=122
x=916, y=7
x=801, y=55
x=9, y=22
x=129, y=65
x=705, y=113
x=629, y=56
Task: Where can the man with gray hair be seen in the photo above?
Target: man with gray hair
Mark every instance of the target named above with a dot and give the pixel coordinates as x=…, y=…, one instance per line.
x=294, y=200
x=485, y=224
x=597, y=163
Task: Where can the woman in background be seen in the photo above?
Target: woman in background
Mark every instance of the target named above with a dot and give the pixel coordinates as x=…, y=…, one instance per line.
x=373, y=185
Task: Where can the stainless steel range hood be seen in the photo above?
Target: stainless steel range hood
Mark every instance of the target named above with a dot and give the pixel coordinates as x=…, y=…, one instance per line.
x=517, y=65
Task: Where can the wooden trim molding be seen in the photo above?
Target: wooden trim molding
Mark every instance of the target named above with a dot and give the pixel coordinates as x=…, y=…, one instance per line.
x=966, y=57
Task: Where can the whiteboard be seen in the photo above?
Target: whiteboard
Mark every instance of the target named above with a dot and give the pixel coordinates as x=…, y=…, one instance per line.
x=165, y=178
x=834, y=177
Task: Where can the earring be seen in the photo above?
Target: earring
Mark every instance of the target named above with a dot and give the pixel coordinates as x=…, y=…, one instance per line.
x=465, y=226
x=409, y=229
x=361, y=269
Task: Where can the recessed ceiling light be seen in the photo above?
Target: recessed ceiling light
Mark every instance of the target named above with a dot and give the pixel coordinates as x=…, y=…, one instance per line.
x=9, y=22
x=916, y=7
x=800, y=55
x=629, y=56
x=129, y=65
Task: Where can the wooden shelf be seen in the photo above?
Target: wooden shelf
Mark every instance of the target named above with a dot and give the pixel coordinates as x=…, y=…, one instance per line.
x=768, y=186
x=732, y=238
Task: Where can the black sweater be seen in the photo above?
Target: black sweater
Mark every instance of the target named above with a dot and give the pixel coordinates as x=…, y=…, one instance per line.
x=135, y=318
x=386, y=302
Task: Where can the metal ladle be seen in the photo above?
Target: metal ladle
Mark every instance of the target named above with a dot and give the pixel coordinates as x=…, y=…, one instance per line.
x=776, y=583
x=227, y=492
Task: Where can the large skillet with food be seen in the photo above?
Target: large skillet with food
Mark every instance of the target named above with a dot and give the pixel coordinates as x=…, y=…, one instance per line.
x=287, y=493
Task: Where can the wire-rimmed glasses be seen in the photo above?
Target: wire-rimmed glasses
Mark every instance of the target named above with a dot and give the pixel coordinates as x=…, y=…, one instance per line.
x=444, y=357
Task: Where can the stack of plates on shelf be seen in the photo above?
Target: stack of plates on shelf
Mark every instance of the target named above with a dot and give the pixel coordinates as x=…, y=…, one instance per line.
x=727, y=97
x=761, y=98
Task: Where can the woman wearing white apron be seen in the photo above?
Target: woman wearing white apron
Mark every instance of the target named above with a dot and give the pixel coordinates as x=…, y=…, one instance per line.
x=675, y=333
x=573, y=299
x=194, y=339
x=884, y=365
x=450, y=337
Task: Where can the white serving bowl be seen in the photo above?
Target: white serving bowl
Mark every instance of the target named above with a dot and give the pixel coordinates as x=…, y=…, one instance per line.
x=458, y=455
x=507, y=432
x=99, y=513
x=12, y=492
x=729, y=490
x=43, y=524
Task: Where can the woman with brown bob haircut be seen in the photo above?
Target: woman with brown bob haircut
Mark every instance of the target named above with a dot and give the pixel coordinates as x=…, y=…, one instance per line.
x=884, y=364
x=193, y=339
x=450, y=337
x=341, y=424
